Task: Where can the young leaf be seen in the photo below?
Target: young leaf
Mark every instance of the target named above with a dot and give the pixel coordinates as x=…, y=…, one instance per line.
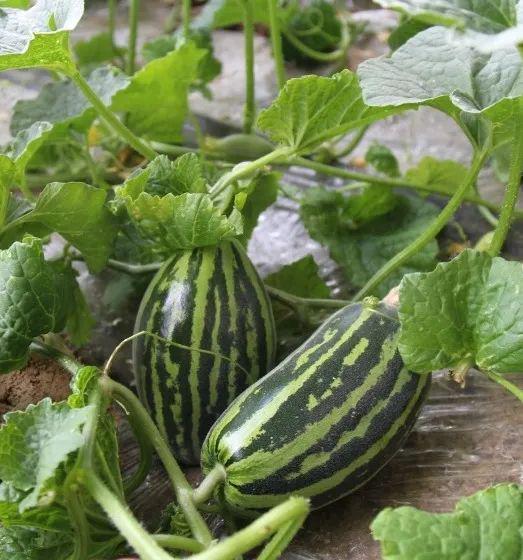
x=383, y=160
x=39, y=36
x=62, y=104
x=77, y=212
x=363, y=250
x=163, y=84
x=468, y=309
x=312, y=109
x=181, y=222
x=442, y=175
x=97, y=49
x=32, y=301
x=300, y=278
x=487, y=525
x=34, y=443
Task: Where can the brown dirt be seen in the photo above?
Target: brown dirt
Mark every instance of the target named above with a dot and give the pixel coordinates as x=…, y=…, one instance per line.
x=41, y=378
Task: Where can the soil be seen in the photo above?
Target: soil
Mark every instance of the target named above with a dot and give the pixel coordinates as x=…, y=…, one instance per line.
x=39, y=379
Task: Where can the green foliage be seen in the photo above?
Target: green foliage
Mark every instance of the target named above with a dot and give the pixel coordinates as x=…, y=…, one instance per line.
x=32, y=301
x=486, y=525
x=312, y=109
x=467, y=310
x=77, y=212
x=363, y=248
x=163, y=84
x=441, y=175
x=39, y=36
x=33, y=445
x=383, y=160
x=96, y=50
x=168, y=205
x=300, y=278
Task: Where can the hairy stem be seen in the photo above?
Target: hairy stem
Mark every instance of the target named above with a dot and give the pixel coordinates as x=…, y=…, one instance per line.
x=258, y=531
x=205, y=491
x=181, y=487
x=134, y=12
x=513, y=186
x=111, y=119
x=510, y=387
x=177, y=542
x=76, y=513
x=250, y=100
x=430, y=233
x=276, y=42
x=141, y=541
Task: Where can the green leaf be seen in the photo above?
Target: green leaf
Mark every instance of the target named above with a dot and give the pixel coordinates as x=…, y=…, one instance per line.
x=224, y=13
x=373, y=202
x=312, y=109
x=361, y=250
x=80, y=321
x=438, y=174
x=77, y=212
x=468, y=309
x=261, y=193
x=97, y=49
x=182, y=222
x=383, y=160
x=62, y=104
x=487, y=525
x=407, y=28
x=163, y=84
x=488, y=17
x=20, y=543
x=31, y=301
x=300, y=278
x=39, y=36
x=429, y=69
x=34, y=443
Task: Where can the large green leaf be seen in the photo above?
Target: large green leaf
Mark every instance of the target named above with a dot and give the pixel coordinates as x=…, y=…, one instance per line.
x=487, y=525
x=21, y=543
x=361, y=249
x=156, y=99
x=39, y=36
x=467, y=310
x=34, y=443
x=31, y=301
x=489, y=17
x=312, y=109
x=77, y=212
x=62, y=104
x=430, y=69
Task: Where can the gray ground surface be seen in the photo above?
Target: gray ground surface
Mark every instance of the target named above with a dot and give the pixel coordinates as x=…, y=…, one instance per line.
x=464, y=439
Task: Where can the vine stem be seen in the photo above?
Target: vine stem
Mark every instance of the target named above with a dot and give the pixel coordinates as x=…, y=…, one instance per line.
x=250, y=100
x=111, y=22
x=277, y=52
x=177, y=542
x=110, y=118
x=181, y=487
x=513, y=186
x=510, y=387
x=296, y=301
x=134, y=12
x=354, y=142
x=186, y=19
x=435, y=227
x=293, y=509
x=247, y=168
x=205, y=491
x=142, y=542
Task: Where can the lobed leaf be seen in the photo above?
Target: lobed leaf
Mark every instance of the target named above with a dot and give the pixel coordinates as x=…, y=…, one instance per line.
x=468, y=309
x=487, y=525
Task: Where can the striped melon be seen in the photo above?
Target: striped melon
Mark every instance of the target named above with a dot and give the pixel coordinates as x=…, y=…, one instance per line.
x=324, y=421
x=209, y=298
